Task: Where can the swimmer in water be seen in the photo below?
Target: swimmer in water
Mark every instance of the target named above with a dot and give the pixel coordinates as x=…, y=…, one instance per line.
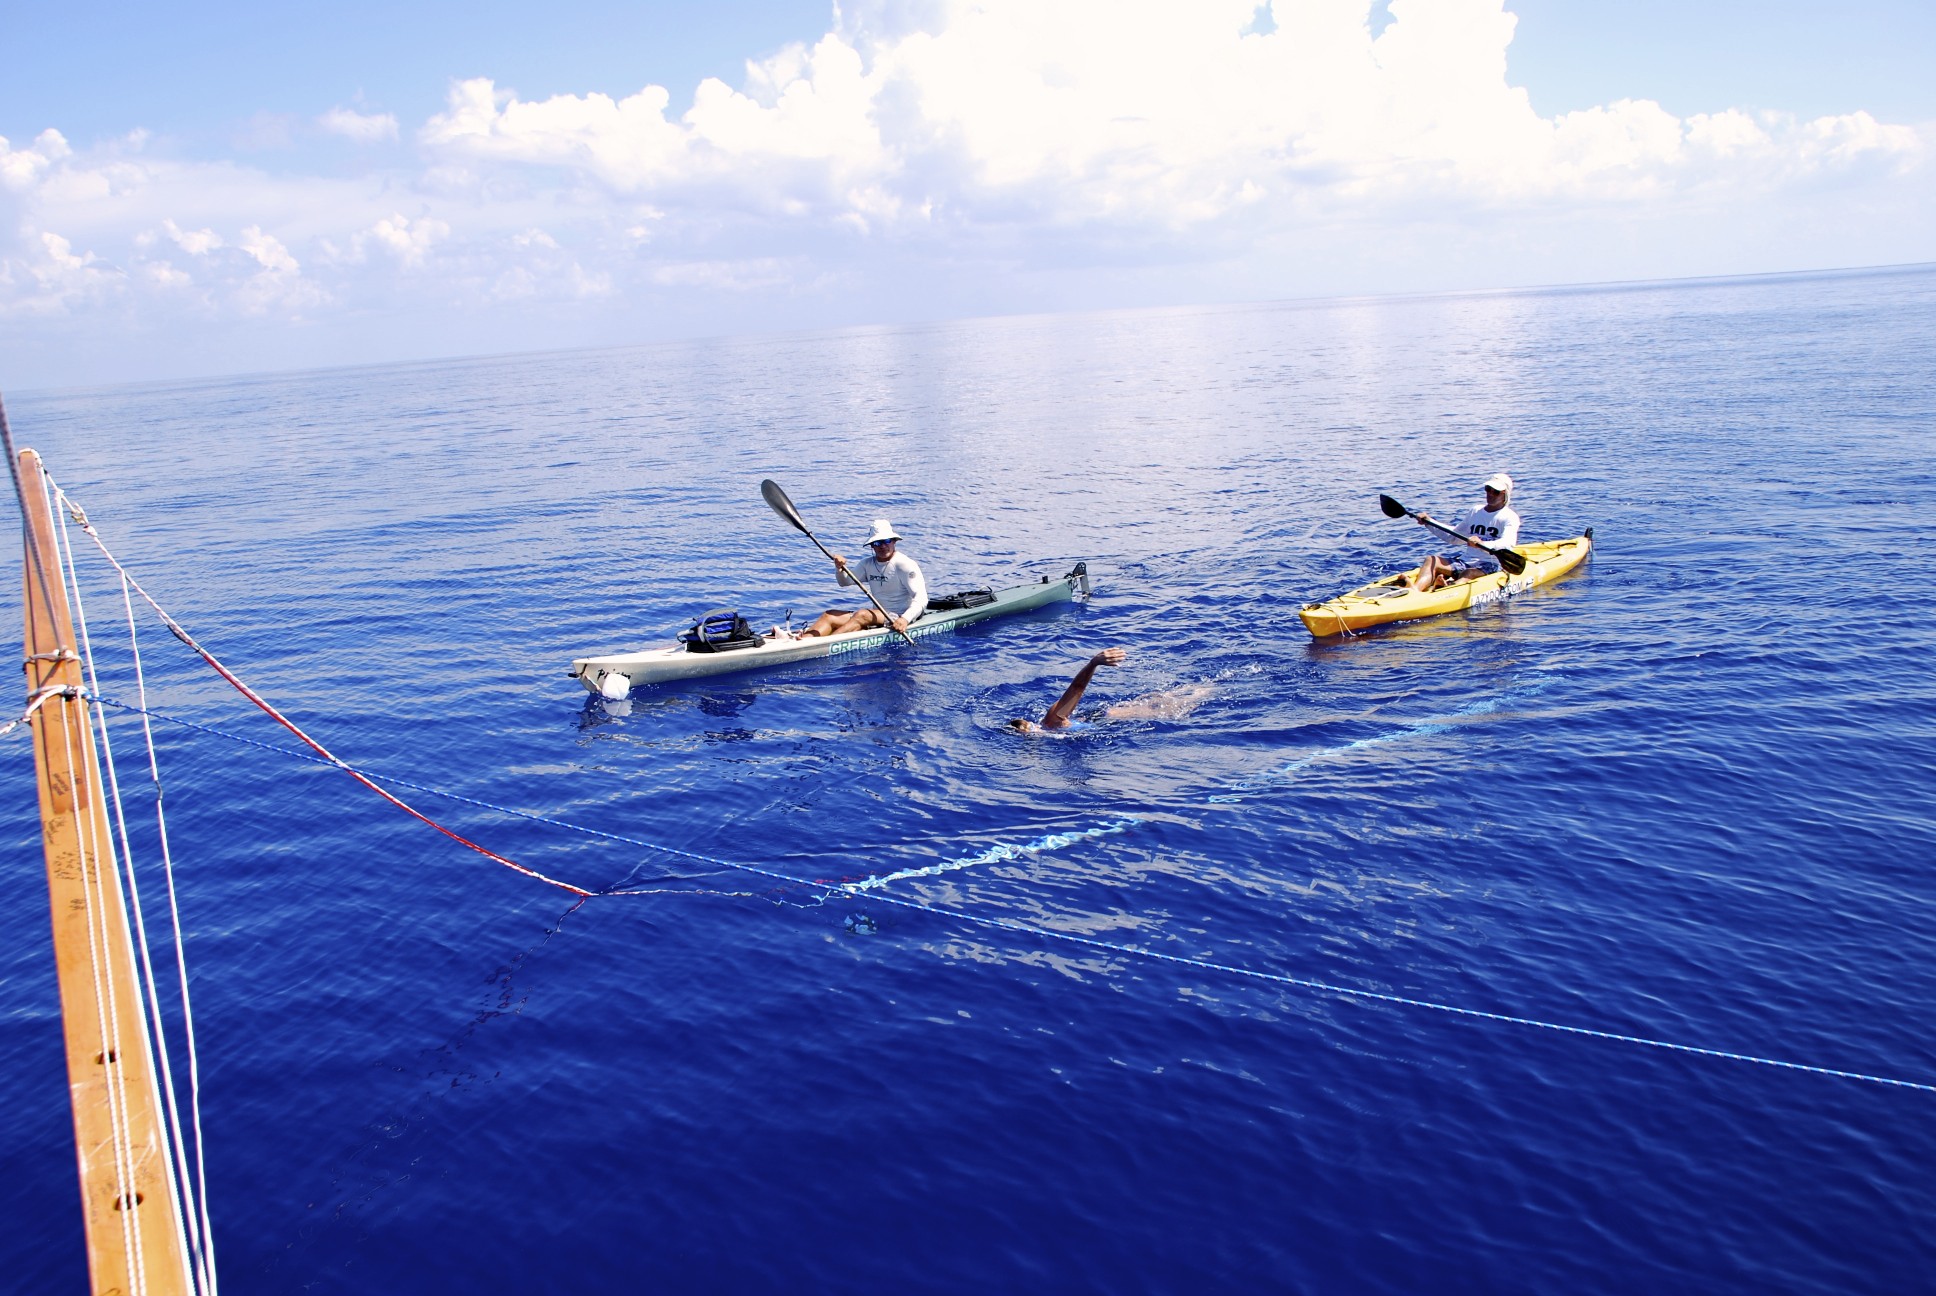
x=1171, y=704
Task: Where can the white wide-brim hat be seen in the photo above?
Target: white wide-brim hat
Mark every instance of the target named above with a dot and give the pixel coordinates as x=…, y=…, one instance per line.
x=883, y=530
x=1501, y=483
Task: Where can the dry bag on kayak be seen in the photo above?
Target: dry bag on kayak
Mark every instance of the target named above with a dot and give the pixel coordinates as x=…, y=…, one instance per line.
x=973, y=598
x=720, y=630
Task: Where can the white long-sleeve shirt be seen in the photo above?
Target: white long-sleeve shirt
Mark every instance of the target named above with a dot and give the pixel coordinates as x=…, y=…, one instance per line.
x=897, y=583
x=1494, y=530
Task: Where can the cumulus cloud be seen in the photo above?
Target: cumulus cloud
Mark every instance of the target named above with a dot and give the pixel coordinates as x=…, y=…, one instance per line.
x=968, y=141
x=363, y=128
x=20, y=169
x=405, y=242
x=1141, y=115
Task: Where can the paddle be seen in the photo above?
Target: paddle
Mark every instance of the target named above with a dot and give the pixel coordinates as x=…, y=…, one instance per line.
x=777, y=499
x=1513, y=561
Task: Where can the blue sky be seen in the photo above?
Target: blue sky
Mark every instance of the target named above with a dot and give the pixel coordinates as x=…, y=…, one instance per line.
x=221, y=187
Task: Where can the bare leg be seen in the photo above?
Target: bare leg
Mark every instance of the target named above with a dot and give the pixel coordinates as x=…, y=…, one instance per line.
x=824, y=623
x=1432, y=573
x=837, y=621
x=1170, y=704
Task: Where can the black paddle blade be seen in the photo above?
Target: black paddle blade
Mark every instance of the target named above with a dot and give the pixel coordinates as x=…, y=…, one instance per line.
x=1393, y=509
x=1513, y=562
x=777, y=499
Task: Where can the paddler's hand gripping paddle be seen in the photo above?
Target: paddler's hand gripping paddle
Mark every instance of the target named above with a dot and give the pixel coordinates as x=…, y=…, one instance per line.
x=777, y=498
x=1513, y=561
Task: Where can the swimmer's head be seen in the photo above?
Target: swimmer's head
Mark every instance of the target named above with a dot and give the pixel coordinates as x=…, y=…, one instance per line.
x=1020, y=725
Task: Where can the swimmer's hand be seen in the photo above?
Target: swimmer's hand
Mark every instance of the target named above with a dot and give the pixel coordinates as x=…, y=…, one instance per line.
x=1108, y=657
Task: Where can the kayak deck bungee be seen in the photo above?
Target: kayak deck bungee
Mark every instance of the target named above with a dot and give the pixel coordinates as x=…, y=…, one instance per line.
x=616, y=674
x=1390, y=598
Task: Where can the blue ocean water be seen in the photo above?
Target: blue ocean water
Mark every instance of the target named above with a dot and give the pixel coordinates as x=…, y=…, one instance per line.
x=1683, y=794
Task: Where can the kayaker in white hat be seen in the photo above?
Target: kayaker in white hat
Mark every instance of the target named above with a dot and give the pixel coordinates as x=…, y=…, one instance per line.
x=892, y=577
x=1495, y=526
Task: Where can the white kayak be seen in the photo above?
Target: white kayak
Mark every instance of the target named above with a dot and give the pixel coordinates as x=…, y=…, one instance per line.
x=617, y=674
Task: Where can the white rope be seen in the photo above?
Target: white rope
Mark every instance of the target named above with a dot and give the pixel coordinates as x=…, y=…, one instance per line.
x=201, y=1233
x=153, y=1020
x=93, y=887
x=40, y=699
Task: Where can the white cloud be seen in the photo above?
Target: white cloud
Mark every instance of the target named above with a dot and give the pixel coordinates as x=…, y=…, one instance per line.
x=363, y=128
x=194, y=242
x=22, y=168
x=1140, y=115
x=988, y=146
x=409, y=242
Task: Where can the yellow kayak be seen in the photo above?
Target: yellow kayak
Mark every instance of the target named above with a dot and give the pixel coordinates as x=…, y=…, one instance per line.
x=1390, y=599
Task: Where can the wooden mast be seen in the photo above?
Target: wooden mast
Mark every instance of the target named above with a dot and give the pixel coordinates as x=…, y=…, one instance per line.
x=134, y=1232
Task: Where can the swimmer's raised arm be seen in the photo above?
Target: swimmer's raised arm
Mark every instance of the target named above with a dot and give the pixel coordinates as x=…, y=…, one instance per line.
x=1065, y=706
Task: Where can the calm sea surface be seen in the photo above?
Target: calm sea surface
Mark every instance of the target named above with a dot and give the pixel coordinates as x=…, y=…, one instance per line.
x=1683, y=794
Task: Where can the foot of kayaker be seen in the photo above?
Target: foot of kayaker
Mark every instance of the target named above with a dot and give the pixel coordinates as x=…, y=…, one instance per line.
x=892, y=577
x=1493, y=526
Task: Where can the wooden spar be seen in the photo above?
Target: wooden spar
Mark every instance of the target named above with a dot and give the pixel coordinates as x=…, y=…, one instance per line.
x=134, y=1232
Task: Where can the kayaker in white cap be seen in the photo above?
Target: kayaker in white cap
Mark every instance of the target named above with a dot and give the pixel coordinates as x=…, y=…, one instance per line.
x=893, y=578
x=1496, y=526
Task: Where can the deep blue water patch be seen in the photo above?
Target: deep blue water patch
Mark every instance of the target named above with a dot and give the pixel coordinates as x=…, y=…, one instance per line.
x=1682, y=794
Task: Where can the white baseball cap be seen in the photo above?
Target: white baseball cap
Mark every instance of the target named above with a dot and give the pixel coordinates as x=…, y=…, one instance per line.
x=1501, y=483
x=883, y=530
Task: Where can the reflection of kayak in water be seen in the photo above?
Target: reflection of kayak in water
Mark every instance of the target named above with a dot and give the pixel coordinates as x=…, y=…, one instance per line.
x=617, y=674
x=1392, y=599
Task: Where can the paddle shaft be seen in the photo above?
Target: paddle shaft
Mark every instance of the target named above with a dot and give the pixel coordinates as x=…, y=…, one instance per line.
x=1513, y=561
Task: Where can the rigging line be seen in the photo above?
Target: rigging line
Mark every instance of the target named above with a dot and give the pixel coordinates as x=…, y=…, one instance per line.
x=188, y=1210
x=695, y=856
x=104, y=756
x=202, y=1232
x=993, y=854
x=859, y=889
x=89, y=835
x=175, y=628
x=718, y=864
x=111, y=1061
x=1230, y=969
x=104, y=1007
x=39, y=700
x=987, y=921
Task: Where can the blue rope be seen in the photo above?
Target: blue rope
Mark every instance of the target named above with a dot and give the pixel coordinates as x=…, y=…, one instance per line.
x=866, y=886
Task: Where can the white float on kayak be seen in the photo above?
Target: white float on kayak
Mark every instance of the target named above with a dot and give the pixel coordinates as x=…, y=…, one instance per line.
x=615, y=675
